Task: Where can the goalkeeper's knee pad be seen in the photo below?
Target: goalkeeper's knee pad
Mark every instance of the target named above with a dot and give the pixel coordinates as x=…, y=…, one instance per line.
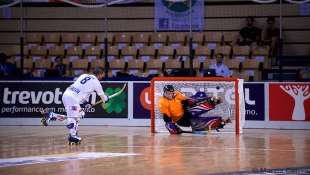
x=172, y=128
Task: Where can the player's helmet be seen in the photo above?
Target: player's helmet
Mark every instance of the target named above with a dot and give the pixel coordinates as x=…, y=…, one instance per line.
x=168, y=88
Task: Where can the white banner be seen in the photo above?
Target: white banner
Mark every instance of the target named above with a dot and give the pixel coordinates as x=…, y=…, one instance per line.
x=176, y=15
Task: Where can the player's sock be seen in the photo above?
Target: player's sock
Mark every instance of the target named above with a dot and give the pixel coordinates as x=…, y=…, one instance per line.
x=59, y=117
x=74, y=131
x=69, y=121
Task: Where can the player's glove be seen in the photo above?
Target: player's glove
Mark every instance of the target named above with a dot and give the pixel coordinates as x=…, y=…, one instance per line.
x=184, y=102
x=107, y=100
x=166, y=118
x=87, y=105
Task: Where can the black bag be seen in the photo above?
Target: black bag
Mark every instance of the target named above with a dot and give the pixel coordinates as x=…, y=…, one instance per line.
x=177, y=72
x=121, y=74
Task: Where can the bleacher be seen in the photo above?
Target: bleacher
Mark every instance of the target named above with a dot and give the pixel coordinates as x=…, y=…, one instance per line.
x=135, y=48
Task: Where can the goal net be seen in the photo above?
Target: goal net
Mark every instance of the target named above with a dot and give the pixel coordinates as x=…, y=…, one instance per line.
x=233, y=104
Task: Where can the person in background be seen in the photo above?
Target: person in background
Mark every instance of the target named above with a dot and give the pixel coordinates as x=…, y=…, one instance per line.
x=63, y=69
x=248, y=35
x=270, y=36
x=5, y=67
x=220, y=68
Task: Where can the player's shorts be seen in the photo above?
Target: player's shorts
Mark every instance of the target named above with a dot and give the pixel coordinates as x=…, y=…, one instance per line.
x=72, y=107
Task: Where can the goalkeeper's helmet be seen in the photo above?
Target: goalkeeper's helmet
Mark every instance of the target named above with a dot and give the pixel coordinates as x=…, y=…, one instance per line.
x=168, y=88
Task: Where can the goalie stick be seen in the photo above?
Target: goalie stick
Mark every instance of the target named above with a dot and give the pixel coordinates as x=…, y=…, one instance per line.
x=199, y=132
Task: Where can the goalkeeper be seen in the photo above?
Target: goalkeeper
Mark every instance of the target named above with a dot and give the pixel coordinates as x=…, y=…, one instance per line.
x=175, y=108
x=171, y=106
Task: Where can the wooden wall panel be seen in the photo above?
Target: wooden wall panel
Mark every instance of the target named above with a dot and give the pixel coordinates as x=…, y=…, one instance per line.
x=238, y=23
x=211, y=11
x=10, y=25
x=89, y=25
x=10, y=38
x=251, y=10
x=132, y=19
x=296, y=49
x=79, y=12
x=6, y=49
x=296, y=36
x=222, y=24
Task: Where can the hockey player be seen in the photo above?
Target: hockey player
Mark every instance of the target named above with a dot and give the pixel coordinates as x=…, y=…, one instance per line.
x=177, y=109
x=77, y=94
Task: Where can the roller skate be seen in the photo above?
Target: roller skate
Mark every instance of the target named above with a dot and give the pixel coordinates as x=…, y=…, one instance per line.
x=223, y=123
x=215, y=101
x=47, y=117
x=74, y=140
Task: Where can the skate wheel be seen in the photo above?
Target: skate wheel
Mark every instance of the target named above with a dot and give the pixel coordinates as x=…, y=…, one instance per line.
x=44, y=111
x=43, y=120
x=71, y=143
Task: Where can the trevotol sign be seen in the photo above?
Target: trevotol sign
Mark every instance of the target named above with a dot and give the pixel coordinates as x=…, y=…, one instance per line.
x=27, y=99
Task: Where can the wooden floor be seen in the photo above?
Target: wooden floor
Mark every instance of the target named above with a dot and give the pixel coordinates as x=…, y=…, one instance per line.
x=31, y=150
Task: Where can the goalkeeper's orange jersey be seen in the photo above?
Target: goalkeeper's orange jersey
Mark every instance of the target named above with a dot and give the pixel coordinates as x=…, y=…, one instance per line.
x=172, y=108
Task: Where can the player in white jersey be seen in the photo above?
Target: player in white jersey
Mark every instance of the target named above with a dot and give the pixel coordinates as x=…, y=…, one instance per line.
x=220, y=68
x=77, y=94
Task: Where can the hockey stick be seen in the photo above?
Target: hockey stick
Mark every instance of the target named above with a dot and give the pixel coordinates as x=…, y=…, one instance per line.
x=199, y=132
x=111, y=96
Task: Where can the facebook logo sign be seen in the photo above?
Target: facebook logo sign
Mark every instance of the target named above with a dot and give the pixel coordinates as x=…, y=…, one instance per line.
x=163, y=23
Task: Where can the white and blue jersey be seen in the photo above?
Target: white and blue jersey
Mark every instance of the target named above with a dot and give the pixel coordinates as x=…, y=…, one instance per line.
x=81, y=89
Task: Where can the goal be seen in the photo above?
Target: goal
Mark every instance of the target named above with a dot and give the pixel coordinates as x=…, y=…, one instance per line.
x=233, y=105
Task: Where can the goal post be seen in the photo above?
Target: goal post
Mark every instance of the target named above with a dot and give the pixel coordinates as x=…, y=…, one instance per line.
x=233, y=105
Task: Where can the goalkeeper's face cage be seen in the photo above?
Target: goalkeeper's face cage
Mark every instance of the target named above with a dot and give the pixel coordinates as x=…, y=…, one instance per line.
x=168, y=88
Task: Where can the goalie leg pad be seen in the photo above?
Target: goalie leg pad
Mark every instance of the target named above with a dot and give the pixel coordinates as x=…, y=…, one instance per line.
x=172, y=128
x=203, y=123
x=200, y=106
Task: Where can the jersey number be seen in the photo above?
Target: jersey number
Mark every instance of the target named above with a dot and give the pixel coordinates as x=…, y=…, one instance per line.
x=84, y=80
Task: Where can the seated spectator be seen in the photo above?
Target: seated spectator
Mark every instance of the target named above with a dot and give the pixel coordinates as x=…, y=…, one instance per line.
x=220, y=68
x=270, y=36
x=248, y=35
x=304, y=74
x=63, y=69
x=6, y=67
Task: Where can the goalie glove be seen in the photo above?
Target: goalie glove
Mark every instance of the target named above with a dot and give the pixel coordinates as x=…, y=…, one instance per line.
x=87, y=105
x=184, y=102
x=166, y=118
